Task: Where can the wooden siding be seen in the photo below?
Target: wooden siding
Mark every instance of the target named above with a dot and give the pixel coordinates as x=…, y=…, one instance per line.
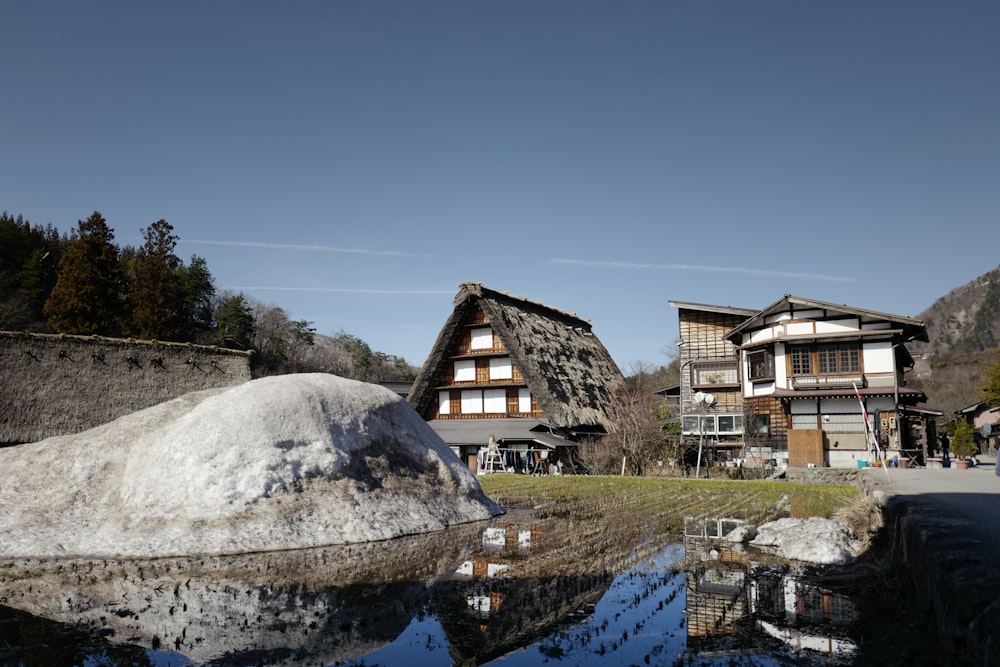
x=702, y=334
x=805, y=446
x=462, y=349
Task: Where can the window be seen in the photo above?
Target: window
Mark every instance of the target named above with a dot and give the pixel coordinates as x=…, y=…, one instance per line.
x=712, y=425
x=760, y=424
x=482, y=339
x=524, y=400
x=711, y=373
x=839, y=359
x=801, y=356
x=465, y=370
x=495, y=401
x=472, y=402
x=760, y=364
x=501, y=369
x=731, y=424
x=689, y=425
x=825, y=359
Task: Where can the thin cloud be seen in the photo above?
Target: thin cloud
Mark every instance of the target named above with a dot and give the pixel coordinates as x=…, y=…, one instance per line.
x=344, y=290
x=306, y=246
x=768, y=273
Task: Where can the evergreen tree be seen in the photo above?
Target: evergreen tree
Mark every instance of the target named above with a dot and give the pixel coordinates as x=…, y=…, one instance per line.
x=234, y=323
x=990, y=391
x=41, y=269
x=158, y=298
x=88, y=294
x=199, y=295
x=28, y=261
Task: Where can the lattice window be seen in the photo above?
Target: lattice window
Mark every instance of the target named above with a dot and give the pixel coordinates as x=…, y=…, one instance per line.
x=711, y=373
x=801, y=357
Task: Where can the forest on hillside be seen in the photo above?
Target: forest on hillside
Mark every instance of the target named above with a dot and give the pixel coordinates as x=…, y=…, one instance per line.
x=963, y=328
x=84, y=283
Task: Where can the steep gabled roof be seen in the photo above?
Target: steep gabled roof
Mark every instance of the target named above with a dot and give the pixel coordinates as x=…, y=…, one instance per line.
x=909, y=328
x=567, y=369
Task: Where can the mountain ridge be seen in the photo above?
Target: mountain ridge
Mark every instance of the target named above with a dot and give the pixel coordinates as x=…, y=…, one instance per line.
x=963, y=328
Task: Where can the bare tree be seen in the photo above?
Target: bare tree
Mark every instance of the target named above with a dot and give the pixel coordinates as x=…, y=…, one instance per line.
x=636, y=416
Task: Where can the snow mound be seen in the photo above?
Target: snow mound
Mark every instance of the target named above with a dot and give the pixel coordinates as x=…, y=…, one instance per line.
x=812, y=540
x=283, y=462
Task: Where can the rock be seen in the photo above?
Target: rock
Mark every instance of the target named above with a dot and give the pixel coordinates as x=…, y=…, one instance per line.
x=742, y=534
x=813, y=540
x=283, y=462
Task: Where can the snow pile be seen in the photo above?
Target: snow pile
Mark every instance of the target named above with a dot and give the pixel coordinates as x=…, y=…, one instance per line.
x=283, y=462
x=813, y=540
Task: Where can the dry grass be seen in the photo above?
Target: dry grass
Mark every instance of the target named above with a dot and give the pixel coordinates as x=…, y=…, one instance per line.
x=669, y=501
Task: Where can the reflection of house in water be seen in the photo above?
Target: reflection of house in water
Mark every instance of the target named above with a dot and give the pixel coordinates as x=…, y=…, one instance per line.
x=716, y=583
x=491, y=607
x=801, y=614
x=735, y=602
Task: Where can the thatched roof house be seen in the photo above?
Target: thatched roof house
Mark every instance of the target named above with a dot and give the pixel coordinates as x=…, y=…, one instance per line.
x=56, y=384
x=526, y=374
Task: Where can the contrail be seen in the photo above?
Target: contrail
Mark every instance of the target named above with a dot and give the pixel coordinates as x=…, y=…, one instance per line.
x=770, y=273
x=305, y=246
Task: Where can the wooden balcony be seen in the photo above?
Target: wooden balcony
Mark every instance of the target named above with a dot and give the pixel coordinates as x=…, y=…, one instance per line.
x=828, y=381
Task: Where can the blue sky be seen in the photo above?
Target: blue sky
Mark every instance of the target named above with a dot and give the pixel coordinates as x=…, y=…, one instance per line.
x=353, y=162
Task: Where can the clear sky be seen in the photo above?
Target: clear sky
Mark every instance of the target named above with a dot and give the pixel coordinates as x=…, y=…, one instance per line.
x=353, y=162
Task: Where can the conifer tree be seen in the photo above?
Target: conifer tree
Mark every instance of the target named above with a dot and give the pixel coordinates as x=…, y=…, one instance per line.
x=990, y=390
x=199, y=298
x=88, y=294
x=234, y=323
x=158, y=299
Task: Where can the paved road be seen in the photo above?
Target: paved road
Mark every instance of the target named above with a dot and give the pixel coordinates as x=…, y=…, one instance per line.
x=970, y=494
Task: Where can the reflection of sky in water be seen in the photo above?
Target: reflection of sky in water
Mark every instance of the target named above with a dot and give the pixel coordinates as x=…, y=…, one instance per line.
x=638, y=620
x=422, y=643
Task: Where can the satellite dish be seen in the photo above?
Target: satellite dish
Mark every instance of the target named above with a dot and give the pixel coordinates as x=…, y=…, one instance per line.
x=709, y=399
x=985, y=430
x=699, y=397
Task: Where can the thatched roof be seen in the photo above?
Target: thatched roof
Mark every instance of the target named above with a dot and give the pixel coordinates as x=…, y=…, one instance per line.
x=566, y=367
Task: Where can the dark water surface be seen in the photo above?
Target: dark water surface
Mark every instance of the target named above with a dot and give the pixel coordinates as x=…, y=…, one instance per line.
x=515, y=591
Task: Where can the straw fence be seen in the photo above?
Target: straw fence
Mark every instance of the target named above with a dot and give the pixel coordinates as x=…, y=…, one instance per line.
x=55, y=384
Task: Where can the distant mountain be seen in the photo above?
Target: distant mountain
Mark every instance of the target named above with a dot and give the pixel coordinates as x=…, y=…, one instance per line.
x=964, y=329
x=967, y=319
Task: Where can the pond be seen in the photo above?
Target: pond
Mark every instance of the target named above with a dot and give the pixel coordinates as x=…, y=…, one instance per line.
x=518, y=590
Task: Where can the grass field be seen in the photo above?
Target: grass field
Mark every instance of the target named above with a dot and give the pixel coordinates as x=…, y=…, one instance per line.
x=668, y=501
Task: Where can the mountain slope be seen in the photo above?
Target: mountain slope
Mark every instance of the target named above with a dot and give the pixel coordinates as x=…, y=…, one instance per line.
x=963, y=328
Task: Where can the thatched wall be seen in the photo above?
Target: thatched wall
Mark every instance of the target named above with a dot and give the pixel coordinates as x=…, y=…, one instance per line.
x=57, y=384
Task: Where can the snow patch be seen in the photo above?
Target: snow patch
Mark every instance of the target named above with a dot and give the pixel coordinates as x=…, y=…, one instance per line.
x=812, y=540
x=282, y=462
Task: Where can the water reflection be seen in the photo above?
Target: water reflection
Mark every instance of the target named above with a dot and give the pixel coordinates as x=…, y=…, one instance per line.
x=740, y=601
x=528, y=591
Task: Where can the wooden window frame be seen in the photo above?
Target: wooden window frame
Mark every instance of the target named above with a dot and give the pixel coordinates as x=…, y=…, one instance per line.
x=760, y=371
x=824, y=359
